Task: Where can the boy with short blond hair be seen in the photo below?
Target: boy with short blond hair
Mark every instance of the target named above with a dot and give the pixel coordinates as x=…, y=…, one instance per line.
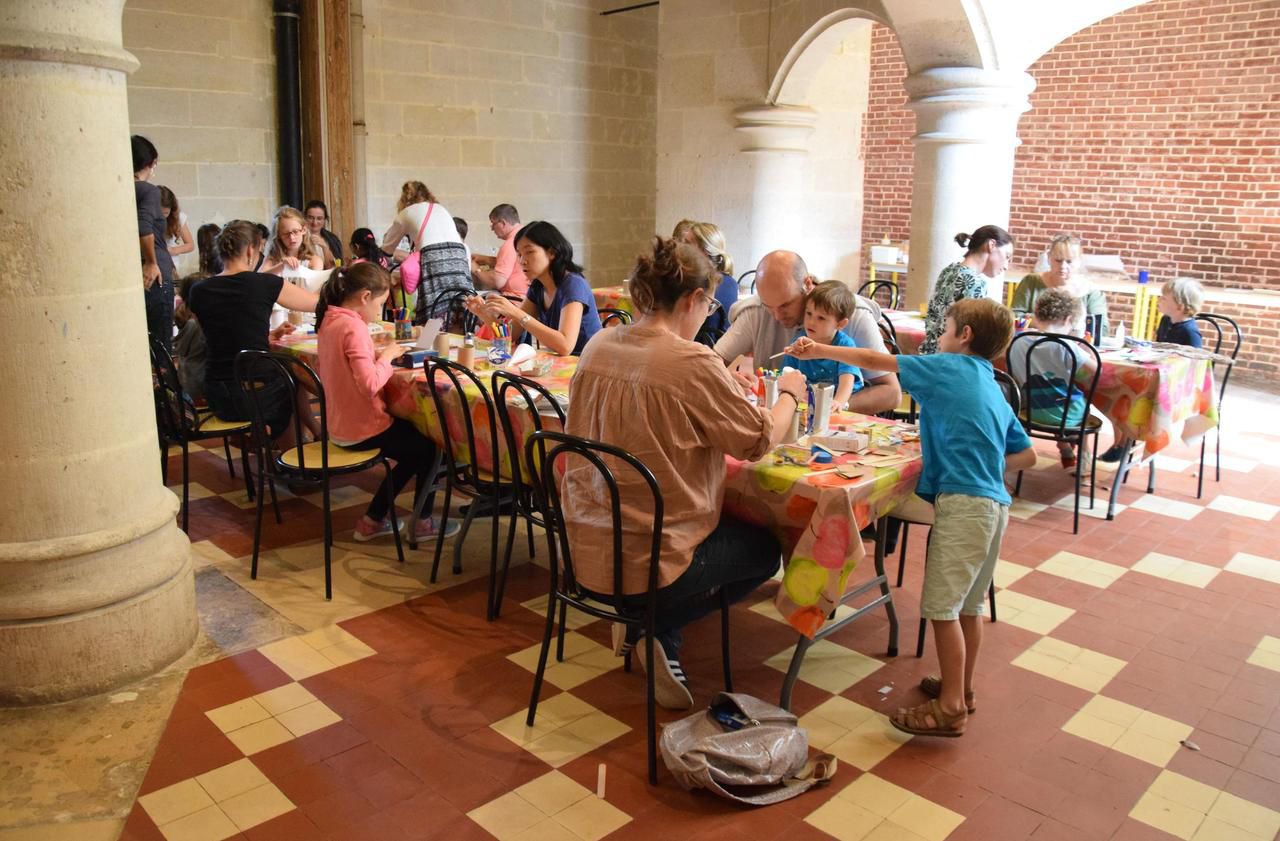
x=970, y=438
x=827, y=310
x=1180, y=300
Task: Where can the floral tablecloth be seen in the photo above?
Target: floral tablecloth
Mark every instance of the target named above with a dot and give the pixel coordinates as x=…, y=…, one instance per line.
x=908, y=325
x=617, y=297
x=1148, y=401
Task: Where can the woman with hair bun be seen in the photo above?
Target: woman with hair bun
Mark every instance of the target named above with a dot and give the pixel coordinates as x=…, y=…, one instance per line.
x=651, y=390
x=234, y=309
x=710, y=240
x=987, y=254
x=354, y=373
x=442, y=262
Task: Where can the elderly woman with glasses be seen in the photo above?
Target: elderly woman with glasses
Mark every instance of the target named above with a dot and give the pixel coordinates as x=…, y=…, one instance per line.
x=651, y=390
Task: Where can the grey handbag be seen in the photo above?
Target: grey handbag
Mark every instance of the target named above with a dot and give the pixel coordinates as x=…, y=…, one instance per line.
x=745, y=750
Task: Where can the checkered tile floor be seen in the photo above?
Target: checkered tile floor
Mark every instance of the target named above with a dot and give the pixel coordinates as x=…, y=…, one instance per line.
x=1130, y=690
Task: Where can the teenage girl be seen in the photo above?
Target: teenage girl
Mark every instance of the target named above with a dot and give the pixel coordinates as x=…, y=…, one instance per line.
x=293, y=244
x=354, y=372
x=176, y=233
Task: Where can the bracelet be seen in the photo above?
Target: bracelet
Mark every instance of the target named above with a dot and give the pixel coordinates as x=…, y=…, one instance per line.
x=790, y=394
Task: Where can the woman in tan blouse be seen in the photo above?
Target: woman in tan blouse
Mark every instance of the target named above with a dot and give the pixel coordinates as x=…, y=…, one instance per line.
x=650, y=389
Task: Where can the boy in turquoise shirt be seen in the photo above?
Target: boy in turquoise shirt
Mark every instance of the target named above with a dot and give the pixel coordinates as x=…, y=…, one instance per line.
x=970, y=438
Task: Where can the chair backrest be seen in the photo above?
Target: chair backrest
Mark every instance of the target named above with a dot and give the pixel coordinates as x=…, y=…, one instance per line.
x=888, y=333
x=604, y=459
x=1222, y=329
x=172, y=403
x=751, y=287
x=259, y=370
x=446, y=381
x=609, y=316
x=708, y=336
x=451, y=307
x=883, y=292
x=1065, y=347
x=1012, y=394
x=535, y=396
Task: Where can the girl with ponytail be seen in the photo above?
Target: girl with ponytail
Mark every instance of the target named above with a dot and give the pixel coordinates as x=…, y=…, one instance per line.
x=354, y=373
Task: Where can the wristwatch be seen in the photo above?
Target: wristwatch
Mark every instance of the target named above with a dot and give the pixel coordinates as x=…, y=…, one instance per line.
x=525, y=319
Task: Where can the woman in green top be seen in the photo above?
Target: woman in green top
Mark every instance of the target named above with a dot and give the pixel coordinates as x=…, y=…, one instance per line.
x=1065, y=256
x=987, y=254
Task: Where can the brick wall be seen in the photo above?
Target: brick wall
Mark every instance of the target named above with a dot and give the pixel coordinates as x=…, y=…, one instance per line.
x=1153, y=134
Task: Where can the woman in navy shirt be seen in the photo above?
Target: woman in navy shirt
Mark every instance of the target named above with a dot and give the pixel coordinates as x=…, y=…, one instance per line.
x=560, y=311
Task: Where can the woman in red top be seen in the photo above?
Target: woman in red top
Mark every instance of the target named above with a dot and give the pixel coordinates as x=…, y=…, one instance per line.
x=354, y=373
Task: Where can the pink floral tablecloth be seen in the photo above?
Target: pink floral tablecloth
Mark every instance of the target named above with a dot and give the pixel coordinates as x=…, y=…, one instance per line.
x=908, y=325
x=1150, y=401
x=617, y=297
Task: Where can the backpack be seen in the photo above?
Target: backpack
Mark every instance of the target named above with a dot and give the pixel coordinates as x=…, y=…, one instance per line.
x=745, y=750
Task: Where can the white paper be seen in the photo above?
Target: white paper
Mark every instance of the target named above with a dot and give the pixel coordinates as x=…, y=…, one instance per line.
x=427, y=338
x=309, y=279
x=522, y=354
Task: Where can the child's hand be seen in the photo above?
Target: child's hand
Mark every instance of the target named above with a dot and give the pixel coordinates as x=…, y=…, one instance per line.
x=803, y=348
x=283, y=330
x=291, y=262
x=394, y=350
x=745, y=381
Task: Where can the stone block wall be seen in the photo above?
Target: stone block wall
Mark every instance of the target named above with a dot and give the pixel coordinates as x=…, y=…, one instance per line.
x=541, y=103
x=1153, y=134
x=205, y=96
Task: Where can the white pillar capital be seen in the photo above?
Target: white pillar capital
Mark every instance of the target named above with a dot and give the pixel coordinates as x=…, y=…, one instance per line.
x=775, y=128
x=966, y=134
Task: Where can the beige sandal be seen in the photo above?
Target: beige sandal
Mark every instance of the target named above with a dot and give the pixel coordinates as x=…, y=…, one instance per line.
x=932, y=688
x=929, y=719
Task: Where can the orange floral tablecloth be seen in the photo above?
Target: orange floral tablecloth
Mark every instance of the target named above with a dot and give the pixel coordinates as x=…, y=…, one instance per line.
x=908, y=325
x=617, y=297
x=1148, y=401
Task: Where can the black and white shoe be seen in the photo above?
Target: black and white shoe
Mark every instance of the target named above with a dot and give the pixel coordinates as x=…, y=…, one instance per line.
x=621, y=645
x=670, y=688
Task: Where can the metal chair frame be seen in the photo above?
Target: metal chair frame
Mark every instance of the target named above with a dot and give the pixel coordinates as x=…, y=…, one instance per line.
x=1219, y=323
x=871, y=288
x=611, y=314
x=455, y=313
x=751, y=288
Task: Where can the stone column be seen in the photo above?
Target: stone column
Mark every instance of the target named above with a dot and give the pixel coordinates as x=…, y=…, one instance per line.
x=96, y=585
x=775, y=142
x=966, y=134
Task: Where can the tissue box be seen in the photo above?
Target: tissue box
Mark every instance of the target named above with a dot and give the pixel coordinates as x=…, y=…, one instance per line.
x=885, y=254
x=843, y=442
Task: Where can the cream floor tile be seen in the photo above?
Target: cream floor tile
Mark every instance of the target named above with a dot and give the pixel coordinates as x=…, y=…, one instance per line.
x=1007, y=572
x=204, y=553
x=897, y=812
x=1213, y=829
x=843, y=820
x=926, y=819
x=284, y=698
x=1169, y=464
x=239, y=714
x=1109, y=709
x=195, y=491
x=256, y=806
x=766, y=608
x=552, y=793
x=1150, y=749
x=176, y=801
x=548, y=829
x=258, y=737
x=1024, y=509
x=507, y=816
x=565, y=728
x=515, y=729
x=584, y=660
x=1171, y=568
x=1085, y=570
x=209, y=824
x=591, y=818
x=339, y=497
x=574, y=619
x=559, y=748
x=1255, y=566
x=828, y=665
x=1259, y=821
x=1030, y=613
x=1082, y=667
x=890, y=831
x=876, y=795
x=841, y=712
x=1267, y=654
x=1194, y=811
x=230, y=780
x=866, y=745
x=1233, y=463
x=1244, y=507
x=1167, y=815
x=308, y=718
x=1168, y=507
x=1191, y=793
x=295, y=658
x=1099, y=509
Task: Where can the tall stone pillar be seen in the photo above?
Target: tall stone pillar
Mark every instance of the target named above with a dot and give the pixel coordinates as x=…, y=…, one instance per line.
x=966, y=134
x=775, y=141
x=96, y=584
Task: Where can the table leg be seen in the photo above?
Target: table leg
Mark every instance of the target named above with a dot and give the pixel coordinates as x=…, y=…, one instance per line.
x=1122, y=470
x=1151, y=476
x=882, y=530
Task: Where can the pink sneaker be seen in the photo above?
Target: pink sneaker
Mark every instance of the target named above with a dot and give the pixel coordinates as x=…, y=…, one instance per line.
x=426, y=529
x=367, y=529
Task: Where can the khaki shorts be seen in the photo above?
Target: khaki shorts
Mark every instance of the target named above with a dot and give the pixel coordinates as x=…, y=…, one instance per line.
x=963, y=547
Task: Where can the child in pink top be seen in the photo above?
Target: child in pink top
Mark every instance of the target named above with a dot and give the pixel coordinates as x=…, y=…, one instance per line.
x=354, y=372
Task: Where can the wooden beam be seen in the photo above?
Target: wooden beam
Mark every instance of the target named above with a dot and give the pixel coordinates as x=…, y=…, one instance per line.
x=311, y=56
x=339, y=127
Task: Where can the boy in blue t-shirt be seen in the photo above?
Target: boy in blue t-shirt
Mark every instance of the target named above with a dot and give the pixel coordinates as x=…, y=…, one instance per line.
x=970, y=438
x=827, y=311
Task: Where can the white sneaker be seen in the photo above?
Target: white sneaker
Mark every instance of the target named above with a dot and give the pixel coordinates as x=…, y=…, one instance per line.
x=670, y=688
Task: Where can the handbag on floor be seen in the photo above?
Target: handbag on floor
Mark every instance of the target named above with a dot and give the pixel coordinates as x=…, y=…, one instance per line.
x=745, y=750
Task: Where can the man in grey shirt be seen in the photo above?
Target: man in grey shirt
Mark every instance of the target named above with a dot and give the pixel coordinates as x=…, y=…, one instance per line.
x=157, y=265
x=766, y=323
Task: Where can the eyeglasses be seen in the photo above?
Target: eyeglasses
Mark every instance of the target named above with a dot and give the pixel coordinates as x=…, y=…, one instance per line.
x=712, y=304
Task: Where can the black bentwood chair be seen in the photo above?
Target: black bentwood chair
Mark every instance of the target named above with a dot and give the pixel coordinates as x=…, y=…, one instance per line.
x=883, y=292
x=751, y=287
x=1224, y=328
x=316, y=462
x=613, y=317
x=450, y=306
x=565, y=591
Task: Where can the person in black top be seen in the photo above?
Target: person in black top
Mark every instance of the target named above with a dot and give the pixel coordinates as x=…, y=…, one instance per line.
x=234, y=309
x=157, y=265
x=318, y=224
x=1180, y=300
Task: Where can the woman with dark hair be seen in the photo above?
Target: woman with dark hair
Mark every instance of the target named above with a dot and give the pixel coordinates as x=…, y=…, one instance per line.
x=653, y=391
x=560, y=311
x=987, y=255
x=317, y=215
x=177, y=236
x=234, y=309
x=206, y=245
x=364, y=249
x=157, y=265
x=439, y=259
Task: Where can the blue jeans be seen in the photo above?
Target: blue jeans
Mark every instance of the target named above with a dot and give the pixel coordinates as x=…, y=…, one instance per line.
x=736, y=556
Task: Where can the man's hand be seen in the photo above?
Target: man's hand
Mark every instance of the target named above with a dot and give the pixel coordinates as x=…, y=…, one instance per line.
x=150, y=274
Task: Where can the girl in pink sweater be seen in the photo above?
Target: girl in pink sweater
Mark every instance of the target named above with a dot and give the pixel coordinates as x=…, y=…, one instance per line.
x=354, y=372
